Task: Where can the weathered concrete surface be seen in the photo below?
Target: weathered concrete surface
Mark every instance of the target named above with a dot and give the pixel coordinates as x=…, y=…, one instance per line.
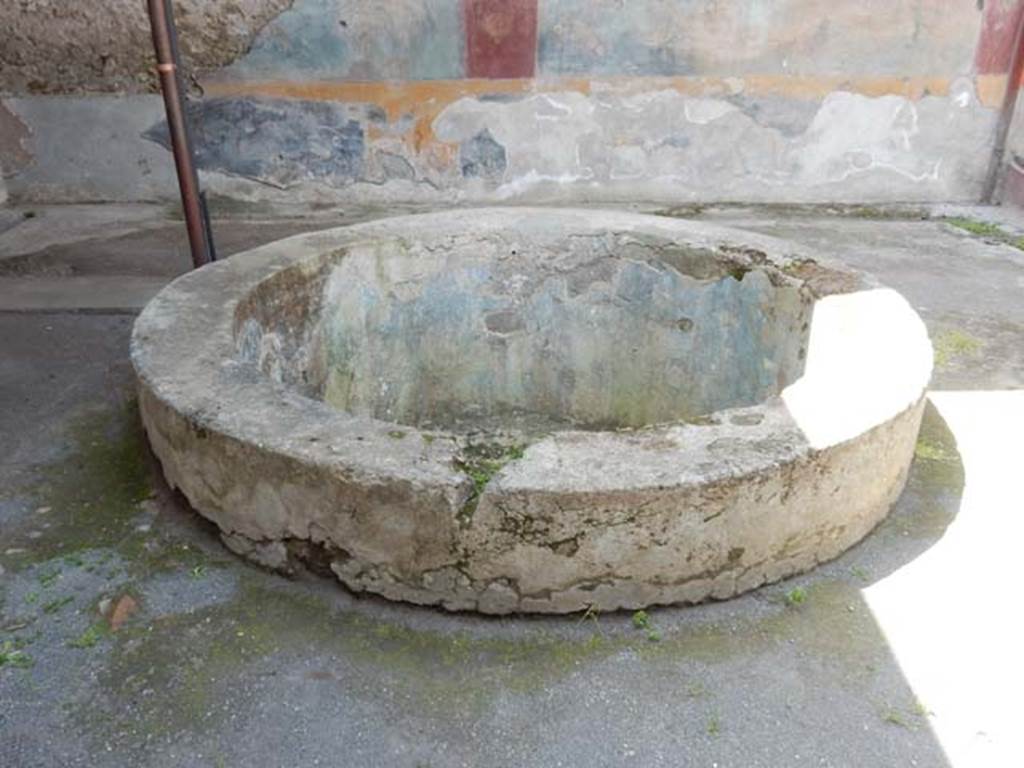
x=32, y=230
x=90, y=149
x=663, y=514
x=14, y=155
x=223, y=664
x=122, y=294
x=138, y=248
x=52, y=46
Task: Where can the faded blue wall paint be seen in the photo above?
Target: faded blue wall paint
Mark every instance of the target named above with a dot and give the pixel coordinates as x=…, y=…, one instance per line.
x=482, y=157
x=425, y=39
x=737, y=37
x=602, y=38
x=359, y=40
x=279, y=142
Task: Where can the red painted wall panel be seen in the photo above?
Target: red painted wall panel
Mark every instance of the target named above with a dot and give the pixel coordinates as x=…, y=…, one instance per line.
x=501, y=37
x=998, y=28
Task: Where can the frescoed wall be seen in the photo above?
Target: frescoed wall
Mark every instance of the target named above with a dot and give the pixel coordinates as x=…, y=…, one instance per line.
x=450, y=100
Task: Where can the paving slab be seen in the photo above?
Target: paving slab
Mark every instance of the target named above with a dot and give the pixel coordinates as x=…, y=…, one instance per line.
x=103, y=294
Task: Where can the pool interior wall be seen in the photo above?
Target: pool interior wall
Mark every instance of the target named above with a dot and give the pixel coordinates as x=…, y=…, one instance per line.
x=599, y=332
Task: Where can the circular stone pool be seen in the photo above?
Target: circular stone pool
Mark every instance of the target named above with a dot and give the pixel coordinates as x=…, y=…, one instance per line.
x=534, y=410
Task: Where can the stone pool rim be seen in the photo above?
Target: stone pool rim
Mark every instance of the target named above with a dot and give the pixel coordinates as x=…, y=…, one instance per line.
x=289, y=478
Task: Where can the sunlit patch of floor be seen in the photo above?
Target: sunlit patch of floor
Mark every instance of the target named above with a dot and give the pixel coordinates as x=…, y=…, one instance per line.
x=952, y=616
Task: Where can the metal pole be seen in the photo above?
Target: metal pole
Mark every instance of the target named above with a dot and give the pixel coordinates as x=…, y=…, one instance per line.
x=1006, y=114
x=200, y=239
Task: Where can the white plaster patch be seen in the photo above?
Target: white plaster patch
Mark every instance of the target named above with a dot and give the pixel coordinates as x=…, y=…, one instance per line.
x=704, y=111
x=540, y=134
x=853, y=134
x=880, y=148
x=963, y=94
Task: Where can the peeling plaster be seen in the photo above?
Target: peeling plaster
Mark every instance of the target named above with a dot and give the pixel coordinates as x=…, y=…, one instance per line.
x=63, y=46
x=710, y=145
x=278, y=143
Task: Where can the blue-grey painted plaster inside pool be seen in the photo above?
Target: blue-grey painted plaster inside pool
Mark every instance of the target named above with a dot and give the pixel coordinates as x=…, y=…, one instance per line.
x=436, y=340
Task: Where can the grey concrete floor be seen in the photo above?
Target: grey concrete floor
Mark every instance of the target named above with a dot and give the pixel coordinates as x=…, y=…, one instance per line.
x=905, y=651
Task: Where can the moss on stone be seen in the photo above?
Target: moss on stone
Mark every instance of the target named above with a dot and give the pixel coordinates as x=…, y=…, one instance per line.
x=685, y=211
x=987, y=230
x=200, y=661
x=738, y=271
x=481, y=461
x=848, y=211
x=887, y=213
x=937, y=476
x=224, y=641
x=94, y=489
x=12, y=655
x=952, y=344
x=975, y=227
x=927, y=450
x=90, y=636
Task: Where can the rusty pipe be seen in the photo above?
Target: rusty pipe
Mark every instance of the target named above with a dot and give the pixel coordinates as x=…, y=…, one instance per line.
x=161, y=21
x=1007, y=110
